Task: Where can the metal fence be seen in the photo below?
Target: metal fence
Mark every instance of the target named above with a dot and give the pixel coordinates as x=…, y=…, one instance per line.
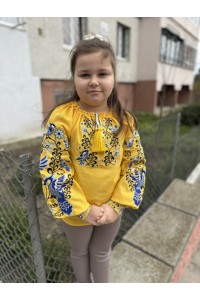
x=33, y=247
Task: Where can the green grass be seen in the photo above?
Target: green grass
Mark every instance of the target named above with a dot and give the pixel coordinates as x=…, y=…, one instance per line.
x=145, y=120
x=184, y=129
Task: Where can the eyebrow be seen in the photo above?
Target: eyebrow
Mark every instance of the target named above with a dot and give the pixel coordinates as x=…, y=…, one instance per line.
x=100, y=70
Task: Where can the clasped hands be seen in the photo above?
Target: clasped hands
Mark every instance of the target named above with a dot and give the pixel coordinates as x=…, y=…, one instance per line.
x=100, y=215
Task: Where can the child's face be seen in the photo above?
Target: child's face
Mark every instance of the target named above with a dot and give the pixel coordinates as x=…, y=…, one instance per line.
x=94, y=81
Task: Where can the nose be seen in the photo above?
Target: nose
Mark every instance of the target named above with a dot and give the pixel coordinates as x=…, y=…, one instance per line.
x=93, y=81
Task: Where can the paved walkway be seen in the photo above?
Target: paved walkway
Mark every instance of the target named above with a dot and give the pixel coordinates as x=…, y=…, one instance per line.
x=164, y=244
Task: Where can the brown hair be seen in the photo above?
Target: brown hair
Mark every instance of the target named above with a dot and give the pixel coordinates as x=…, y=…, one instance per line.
x=91, y=45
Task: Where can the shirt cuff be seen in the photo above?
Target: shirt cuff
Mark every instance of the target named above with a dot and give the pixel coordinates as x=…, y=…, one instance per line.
x=118, y=208
x=84, y=214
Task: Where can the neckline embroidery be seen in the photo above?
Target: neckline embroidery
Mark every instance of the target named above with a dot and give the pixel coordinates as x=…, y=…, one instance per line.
x=89, y=113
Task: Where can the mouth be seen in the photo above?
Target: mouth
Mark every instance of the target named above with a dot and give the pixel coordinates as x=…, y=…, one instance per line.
x=93, y=91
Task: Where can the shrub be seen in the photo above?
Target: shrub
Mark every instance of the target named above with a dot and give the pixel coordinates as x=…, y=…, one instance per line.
x=190, y=115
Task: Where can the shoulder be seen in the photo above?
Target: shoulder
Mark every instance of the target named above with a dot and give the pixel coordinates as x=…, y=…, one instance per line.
x=69, y=106
x=62, y=112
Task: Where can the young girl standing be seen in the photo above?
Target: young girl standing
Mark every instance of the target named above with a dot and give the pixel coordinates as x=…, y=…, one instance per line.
x=92, y=162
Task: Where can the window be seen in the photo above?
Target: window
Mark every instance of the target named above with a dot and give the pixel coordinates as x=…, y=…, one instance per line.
x=73, y=30
x=123, y=41
x=189, y=55
x=174, y=50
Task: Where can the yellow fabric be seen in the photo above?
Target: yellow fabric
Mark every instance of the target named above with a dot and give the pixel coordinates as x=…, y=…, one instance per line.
x=74, y=177
x=118, y=208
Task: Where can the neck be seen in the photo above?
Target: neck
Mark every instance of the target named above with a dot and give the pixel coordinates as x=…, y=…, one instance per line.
x=89, y=108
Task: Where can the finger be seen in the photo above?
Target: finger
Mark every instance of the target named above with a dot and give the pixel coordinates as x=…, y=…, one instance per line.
x=99, y=222
x=100, y=216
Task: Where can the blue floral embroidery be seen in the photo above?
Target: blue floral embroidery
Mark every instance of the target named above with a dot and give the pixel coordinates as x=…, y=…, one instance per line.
x=64, y=165
x=56, y=145
x=136, y=180
x=83, y=156
x=113, y=129
x=59, y=134
x=43, y=163
x=135, y=176
x=66, y=143
x=50, y=129
x=87, y=156
x=135, y=133
x=55, y=186
x=129, y=143
x=48, y=145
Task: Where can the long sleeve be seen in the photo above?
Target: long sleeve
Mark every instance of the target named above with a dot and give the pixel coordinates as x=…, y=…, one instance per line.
x=130, y=187
x=63, y=194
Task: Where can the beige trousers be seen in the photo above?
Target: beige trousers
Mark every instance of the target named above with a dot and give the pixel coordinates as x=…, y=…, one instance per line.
x=90, y=250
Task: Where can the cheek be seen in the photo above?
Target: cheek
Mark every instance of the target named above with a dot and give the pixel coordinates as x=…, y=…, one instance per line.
x=79, y=84
x=110, y=85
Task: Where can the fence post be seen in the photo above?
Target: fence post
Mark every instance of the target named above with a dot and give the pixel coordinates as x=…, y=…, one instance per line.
x=26, y=165
x=177, y=132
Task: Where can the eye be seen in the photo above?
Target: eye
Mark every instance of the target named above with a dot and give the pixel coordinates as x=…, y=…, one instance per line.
x=84, y=75
x=102, y=74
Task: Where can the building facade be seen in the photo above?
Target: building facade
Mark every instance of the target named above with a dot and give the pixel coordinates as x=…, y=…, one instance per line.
x=155, y=64
x=155, y=57
x=166, y=62
x=51, y=40
x=20, y=94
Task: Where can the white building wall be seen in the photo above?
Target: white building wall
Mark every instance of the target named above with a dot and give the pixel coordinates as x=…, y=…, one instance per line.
x=20, y=99
x=50, y=58
x=126, y=69
x=173, y=75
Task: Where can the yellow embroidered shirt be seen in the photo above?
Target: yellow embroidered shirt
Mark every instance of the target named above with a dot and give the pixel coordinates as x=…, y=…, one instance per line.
x=74, y=176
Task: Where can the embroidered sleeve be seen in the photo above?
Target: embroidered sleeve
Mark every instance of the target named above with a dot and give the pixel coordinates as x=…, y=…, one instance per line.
x=130, y=188
x=118, y=208
x=63, y=194
x=84, y=215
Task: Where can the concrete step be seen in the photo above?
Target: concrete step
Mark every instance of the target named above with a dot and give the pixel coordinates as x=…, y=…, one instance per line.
x=183, y=196
x=153, y=247
x=129, y=264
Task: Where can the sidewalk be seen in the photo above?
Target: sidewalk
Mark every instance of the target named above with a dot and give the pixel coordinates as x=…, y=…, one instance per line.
x=164, y=244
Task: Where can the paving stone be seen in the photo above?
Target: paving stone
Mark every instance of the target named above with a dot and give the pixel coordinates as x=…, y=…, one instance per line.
x=182, y=195
x=162, y=232
x=131, y=265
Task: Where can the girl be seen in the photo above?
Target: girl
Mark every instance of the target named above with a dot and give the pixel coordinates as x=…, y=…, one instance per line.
x=92, y=163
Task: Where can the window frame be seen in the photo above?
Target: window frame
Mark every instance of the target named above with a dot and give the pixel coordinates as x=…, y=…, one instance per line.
x=77, y=29
x=123, y=42
x=183, y=55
